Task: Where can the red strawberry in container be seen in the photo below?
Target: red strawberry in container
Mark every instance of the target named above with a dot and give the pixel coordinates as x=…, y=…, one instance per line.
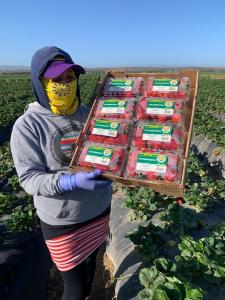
x=108, y=158
x=171, y=175
x=123, y=87
x=115, y=108
x=161, y=110
x=158, y=136
x=176, y=118
x=168, y=88
x=109, y=131
x=153, y=165
x=162, y=119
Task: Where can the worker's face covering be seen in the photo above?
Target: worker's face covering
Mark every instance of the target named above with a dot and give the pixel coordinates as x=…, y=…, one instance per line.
x=62, y=97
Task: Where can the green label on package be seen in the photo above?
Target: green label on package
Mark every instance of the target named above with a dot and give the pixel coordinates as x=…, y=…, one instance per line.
x=118, y=85
x=113, y=106
x=99, y=155
x=106, y=128
x=160, y=107
x=165, y=85
x=157, y=133
x=152, y=162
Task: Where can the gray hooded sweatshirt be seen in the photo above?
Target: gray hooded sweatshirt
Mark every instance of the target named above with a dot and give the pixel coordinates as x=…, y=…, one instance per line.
x=42, y=144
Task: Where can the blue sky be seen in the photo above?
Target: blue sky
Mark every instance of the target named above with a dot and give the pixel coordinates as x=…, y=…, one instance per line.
x=116, y=33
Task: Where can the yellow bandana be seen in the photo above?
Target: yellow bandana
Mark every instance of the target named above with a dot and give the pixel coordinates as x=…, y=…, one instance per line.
x=62, y=97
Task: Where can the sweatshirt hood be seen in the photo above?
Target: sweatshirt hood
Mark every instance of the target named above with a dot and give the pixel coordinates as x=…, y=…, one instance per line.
x=38, y=65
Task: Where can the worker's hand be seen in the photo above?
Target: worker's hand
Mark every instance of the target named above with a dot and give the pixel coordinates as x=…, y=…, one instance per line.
x=83, y=180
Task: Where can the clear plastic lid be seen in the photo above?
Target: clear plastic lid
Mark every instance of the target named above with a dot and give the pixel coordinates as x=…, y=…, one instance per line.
x=168, y=88
x=108, y=158
x=124, y=87
x=160, y=110
x=155, y=135
x=152, y=164
x=122, y=108
x=109, y=131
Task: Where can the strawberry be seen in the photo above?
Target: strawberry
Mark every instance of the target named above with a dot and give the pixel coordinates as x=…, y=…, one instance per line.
x=162, y=118
x=176, y=118
x=151, y=175
x=179, y=201
x=171, y=175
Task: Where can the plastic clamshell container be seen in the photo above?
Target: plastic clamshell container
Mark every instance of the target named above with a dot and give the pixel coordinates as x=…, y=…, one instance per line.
x=122, y=108
x=155, y=135
x=108, y=158
x=109, y=131
x=124, y=87
x=168, y=88
x=152, y=164
x=159, y=109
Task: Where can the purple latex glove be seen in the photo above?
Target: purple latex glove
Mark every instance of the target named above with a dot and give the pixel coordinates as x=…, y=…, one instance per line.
x=82, y=180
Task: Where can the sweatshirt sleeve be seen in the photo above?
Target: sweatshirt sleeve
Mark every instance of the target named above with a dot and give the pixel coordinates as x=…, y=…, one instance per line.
x=28, y=161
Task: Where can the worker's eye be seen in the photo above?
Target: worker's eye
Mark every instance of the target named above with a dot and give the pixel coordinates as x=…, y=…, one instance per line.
x=71, y=78
x=64, y=79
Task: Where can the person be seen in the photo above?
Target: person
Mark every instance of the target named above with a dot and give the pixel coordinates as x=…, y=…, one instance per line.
x=73, y=208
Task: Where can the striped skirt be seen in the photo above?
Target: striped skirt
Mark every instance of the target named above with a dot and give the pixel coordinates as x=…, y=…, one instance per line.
x=69, y=250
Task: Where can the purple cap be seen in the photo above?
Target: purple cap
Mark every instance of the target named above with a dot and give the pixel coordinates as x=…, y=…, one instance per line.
x=57, y=66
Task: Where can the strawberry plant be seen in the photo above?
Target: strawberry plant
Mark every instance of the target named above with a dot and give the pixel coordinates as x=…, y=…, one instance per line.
x=22, y=218
x=14, y=182
x=143, y=202
x=202, y=260
x=6, y=163
x=148, y=240
x=161, y=282
x=219, y=231
x=211, y=94
x=212, y=128
x=7, y=202
x=13, y=100
x=88, y=84
x=201, y=190
x=178, y=219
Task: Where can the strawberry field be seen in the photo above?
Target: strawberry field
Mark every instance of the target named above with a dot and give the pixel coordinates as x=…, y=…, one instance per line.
x=179, y=243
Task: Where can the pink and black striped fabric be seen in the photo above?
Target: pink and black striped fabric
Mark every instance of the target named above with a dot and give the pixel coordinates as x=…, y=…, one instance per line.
x=69, y=250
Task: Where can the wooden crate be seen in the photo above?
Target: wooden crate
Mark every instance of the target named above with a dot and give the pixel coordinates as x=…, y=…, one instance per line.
x=161, y=186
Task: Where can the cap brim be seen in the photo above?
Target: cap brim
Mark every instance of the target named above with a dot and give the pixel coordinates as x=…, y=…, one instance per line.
x=60, y=69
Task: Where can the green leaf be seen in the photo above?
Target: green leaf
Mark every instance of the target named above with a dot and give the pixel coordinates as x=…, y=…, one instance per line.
x=186, y=253
x=163, y=265
x=160, y=295
x=194, y=294
x=173, y=291
x=142, y=295
x=147, y=276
